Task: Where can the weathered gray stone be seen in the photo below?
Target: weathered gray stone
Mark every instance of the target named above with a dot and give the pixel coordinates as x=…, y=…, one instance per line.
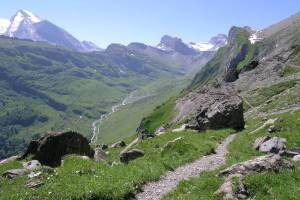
x=118, y=144
x=34, y=174
x=212, y=108
x=34, y=184
x=125, y=157
x=32, y=165
x=14, y=173
x=259, y=141
x=10, y=159
x=273, y=145
x=258, y=165
x=296, y=158
x=251, y=167
x=100, y=155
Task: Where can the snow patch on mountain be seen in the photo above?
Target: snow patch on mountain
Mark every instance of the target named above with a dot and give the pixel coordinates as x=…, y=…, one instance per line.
x=4, y=24
x=255, y=37
x=204, y=46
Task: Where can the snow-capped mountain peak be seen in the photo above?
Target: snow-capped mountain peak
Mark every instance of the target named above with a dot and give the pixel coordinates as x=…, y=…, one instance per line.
x=22, y=17
x=4, y=24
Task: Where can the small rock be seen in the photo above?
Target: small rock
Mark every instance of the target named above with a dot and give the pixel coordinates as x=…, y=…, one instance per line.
x=273, y=145
x=273, y=129
x=118, y=144
x=125, y=157
x=84, y=157
x=100, y=155
x=292, y=152
x=33, y=174
x=7, y=160
x=34, y=184
x=104, y=146
x=32, y=165
x=296, y=158
x=181, y=128
x=14, y=173
x=259, y=141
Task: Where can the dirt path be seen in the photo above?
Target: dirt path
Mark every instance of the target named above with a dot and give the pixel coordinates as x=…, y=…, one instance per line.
x=169, y=182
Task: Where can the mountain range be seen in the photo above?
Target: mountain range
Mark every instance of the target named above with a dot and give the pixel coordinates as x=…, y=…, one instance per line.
x=26, y=25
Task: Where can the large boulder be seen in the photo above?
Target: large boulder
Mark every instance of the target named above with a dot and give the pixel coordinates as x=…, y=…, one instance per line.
x=50, y=149
x=211, y=108
x=125, y=157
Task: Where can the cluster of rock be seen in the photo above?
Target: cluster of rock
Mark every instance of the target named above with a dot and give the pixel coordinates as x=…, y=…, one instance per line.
x=273, y=162
x=30, y=169
x=211, y=108
x=276, y=147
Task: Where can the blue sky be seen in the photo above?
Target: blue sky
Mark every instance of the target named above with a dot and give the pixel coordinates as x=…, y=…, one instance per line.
x=124, y=21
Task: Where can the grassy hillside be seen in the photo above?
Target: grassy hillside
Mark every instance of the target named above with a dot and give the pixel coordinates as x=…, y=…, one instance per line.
x=125, y=122
x=47, y=88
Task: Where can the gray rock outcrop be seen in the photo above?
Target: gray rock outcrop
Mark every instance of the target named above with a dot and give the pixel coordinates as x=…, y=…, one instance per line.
x=212, y=108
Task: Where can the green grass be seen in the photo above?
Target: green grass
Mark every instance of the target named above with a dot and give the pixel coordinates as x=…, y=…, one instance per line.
x=284, y=185
x=160, y=116
x=259, y=96
x=286, y=98
x=81, y=179
x=288, y=70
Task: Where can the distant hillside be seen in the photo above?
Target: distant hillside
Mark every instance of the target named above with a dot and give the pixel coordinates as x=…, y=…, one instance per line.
x=45, y=88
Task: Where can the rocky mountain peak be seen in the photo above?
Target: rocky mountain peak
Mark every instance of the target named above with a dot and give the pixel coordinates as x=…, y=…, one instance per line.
x=219, y=40
x=23, y=19
x=176, y=44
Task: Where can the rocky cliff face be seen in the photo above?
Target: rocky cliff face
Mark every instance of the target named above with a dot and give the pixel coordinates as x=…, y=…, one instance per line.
x=250, y=61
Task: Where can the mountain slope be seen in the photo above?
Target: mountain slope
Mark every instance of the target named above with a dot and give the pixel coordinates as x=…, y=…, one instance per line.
x=44, y=87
